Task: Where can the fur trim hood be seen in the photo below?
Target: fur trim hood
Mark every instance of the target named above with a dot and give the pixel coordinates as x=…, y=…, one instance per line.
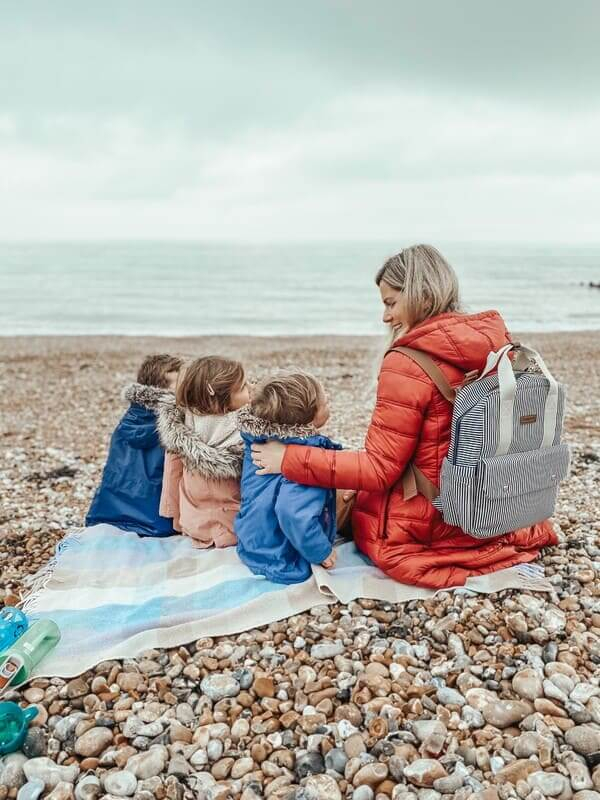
x=148, y=396
x=256, y=426
x=212, y=463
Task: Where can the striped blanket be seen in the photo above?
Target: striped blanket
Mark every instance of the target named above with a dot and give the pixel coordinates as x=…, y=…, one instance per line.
x=114, y=594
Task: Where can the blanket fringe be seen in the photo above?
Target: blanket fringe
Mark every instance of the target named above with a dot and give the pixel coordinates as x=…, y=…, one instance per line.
x=36, y=583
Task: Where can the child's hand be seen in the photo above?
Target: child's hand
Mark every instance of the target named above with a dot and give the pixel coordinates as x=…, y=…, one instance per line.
x=329, y=562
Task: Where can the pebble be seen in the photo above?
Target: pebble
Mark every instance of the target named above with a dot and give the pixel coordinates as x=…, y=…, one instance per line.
x=49, y=772
x=36, y=743
x=322, y=787
x=584, y=739
x=527, y=683
x=309, y=764
x=550, y=784
x=11, y=770
x=121, y=783
x=424, y=771
x=147, y=765
x=31, y=790
x=324, y=650
x=88, y=788
x=504, y=713
x=93, y=742
x=219, y=686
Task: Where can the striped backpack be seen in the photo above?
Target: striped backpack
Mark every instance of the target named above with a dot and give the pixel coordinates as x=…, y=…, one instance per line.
x=505, y=460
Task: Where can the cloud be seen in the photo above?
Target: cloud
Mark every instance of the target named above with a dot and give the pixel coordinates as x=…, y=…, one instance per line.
x=321, y=120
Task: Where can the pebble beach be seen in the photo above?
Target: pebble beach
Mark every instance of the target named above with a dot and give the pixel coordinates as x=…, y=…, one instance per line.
x=460, y=696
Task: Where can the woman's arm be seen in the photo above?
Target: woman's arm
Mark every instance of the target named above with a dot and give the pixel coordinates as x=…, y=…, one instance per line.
x=403, y=393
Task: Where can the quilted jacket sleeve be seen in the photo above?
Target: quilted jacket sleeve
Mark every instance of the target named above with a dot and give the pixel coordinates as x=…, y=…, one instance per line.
x=299, y=510
x=403, y=394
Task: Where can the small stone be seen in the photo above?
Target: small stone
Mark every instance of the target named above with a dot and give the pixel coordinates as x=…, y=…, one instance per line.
x=584, y=739
x=450, y=697
x=325, y=650
x=36, y=743
x=354, y=745
x=93, y=742
x=527, y=683
x=88, y=788
x=516, y=771
x=549, y=783
x=322, y=787
x=148, y=764
x=423, y=728
x=62, y=791
x=505, y=713
x=336, y=760
x=49, y=772
x=264, y=687
x=371, y=774
x=31, y=790
x=11, y=770
x=219, y=686
x=449, y=784
x=241, y=767
x=76, y=688
x=309, y=764
x=363, y=793
x=424, y=771
x=121, y=783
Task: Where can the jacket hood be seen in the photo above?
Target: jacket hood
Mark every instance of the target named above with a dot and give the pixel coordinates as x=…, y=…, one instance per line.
x=149, y=397
x=213, y=463
x=463, y=340
x=256, y=426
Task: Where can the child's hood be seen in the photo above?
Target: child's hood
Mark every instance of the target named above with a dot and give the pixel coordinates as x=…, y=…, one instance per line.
x=256, y=429
x=212, y=463
x=150, y=397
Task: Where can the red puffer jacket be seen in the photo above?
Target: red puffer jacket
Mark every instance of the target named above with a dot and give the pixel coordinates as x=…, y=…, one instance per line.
x=408, y=539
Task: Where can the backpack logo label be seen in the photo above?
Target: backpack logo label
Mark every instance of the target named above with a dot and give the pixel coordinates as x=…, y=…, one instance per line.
x=528, y=419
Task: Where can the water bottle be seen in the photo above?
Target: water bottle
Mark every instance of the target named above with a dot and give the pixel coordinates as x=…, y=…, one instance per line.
x=13, y=624
x=18, y=662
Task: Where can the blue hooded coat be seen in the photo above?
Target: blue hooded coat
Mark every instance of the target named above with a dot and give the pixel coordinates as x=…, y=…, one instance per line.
x=129, y=493
x=282, y=527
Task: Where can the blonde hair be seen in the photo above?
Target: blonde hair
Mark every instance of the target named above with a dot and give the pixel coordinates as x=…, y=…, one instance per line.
x=205, y=385
x=425, y=278
x=289, y=397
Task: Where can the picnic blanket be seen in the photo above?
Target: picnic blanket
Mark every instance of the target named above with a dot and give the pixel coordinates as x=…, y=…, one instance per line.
x=115, y=594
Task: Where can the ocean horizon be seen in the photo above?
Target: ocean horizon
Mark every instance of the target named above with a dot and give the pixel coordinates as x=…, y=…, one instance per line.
x=321, y=288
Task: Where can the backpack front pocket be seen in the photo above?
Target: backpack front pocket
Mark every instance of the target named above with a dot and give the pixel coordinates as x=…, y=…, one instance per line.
x=518, y=490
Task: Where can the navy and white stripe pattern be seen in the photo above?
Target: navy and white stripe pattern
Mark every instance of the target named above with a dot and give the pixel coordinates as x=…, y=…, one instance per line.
x=485, y=494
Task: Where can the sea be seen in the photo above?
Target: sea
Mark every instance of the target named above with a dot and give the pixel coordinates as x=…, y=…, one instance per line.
x=196, y=288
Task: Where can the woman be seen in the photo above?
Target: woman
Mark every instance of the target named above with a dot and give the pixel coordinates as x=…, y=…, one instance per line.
x=407, y=538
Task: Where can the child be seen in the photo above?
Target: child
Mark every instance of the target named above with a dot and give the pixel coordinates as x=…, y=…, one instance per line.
x=284, y=527
x=201, y=490
x=129, y=493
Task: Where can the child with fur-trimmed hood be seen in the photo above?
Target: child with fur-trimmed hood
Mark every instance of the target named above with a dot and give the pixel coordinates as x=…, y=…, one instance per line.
x=283, y=527
x=201, y=488
x=129, y=494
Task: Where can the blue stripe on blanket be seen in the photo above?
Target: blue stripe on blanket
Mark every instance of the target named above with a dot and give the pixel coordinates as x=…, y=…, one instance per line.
x=112, y=623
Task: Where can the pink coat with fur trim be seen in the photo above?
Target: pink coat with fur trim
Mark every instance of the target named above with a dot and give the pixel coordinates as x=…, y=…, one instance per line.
x=201, y=485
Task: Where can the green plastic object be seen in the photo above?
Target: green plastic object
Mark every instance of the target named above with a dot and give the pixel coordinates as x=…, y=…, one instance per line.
x=19, y=660
x=14, y=722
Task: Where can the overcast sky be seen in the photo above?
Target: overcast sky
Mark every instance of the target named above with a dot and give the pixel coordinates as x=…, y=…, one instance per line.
x=279, y=119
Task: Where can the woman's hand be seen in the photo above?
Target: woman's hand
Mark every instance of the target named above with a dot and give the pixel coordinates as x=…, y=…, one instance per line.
x=268, y=457
x=348, y=495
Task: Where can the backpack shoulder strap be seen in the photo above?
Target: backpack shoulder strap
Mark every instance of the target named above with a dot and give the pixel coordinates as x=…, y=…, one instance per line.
x=430, y=368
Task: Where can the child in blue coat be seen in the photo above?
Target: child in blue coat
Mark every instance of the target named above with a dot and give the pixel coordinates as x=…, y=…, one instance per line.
x=282, y=526
x=129, y=493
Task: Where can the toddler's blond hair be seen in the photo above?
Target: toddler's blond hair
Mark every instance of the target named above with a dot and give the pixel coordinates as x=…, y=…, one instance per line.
x=289, y=397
